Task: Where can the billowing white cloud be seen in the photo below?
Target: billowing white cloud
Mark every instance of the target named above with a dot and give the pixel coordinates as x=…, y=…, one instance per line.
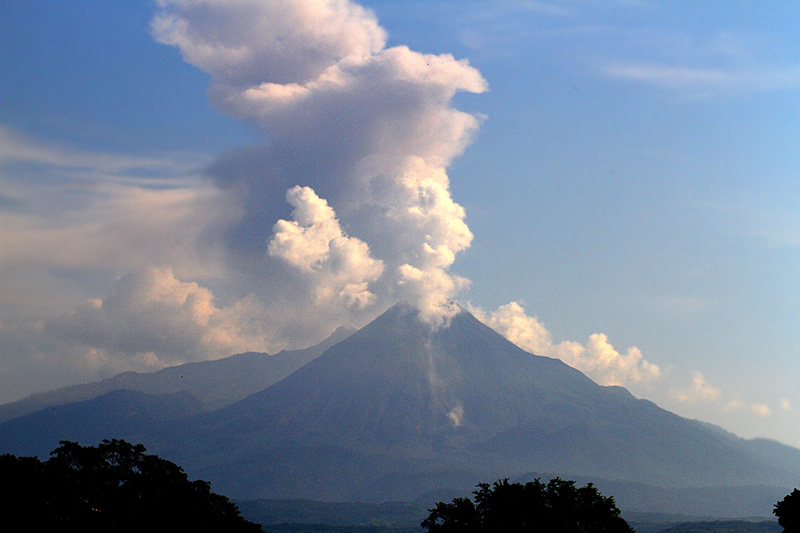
x=244, y=42
x=152, y=319
x=369, y=129
x=602, y=359
x=359, y=134
x=597, y=358
x=315, y=244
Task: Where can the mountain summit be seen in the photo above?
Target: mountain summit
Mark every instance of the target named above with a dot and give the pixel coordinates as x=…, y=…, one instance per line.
x=400, y=406
x=398, y=381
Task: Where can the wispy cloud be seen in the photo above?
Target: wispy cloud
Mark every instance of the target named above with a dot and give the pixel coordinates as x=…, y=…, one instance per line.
x=688, y=78
x=765, y=215
x=544, y=8
x=68, y=214
x=69, y=208
x=702, y=392
x=716, y=62
x=19, y=152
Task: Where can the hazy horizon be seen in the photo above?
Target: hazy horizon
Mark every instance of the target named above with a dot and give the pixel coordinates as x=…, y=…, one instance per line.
x=612, y=184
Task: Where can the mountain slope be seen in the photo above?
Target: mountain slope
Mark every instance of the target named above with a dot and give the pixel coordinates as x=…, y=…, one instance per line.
x=398, y=408
x=117, y=414
x=214, y=383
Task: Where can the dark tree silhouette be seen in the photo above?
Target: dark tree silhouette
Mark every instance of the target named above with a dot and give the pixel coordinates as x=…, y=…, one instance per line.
x=788, y=512
x=557, y=507
x=114, y=486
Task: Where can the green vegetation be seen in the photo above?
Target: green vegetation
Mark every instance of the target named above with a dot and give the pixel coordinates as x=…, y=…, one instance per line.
x=115, y=486
x=555, y=507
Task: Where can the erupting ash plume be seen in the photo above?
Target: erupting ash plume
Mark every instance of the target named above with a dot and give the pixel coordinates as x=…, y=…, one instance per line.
x=343, y=209
x=353, y=130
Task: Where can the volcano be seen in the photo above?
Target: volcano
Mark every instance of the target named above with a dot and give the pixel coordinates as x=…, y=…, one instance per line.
x=400, y=409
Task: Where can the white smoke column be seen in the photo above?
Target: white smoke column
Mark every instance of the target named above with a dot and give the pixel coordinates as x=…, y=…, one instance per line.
x=597, y=358
x=369, y=129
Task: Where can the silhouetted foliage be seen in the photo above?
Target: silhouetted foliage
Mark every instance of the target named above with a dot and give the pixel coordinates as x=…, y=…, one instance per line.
x=555, y=507
x=115, y=486
x=788, y=512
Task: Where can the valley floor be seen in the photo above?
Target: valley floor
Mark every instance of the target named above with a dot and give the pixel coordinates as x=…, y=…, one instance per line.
x=305, y=516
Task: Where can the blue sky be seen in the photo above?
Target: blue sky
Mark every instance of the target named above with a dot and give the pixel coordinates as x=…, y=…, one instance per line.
x=632, y=172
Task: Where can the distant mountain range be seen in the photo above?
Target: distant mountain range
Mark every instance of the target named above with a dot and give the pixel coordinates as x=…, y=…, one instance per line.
x=399, y=411
x=214, y=383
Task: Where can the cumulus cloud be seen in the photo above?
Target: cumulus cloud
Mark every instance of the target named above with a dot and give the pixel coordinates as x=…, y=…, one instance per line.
x=315, y=244
x=597, y=358
x=245, y=42
x=152, y=319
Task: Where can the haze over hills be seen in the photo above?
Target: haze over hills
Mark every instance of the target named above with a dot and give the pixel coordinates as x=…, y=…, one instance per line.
x=214, y=383
x=461, y=401
x=399, y=409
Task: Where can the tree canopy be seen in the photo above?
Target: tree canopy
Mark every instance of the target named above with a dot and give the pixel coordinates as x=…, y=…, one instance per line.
x=114, y=486
x=788, y=512
x=558, y=507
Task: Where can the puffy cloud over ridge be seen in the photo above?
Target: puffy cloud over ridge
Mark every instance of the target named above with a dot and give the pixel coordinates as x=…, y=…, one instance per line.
x=597, y=358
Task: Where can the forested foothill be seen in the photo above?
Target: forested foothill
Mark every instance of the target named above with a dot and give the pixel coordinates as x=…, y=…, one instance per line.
x=114, y=486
